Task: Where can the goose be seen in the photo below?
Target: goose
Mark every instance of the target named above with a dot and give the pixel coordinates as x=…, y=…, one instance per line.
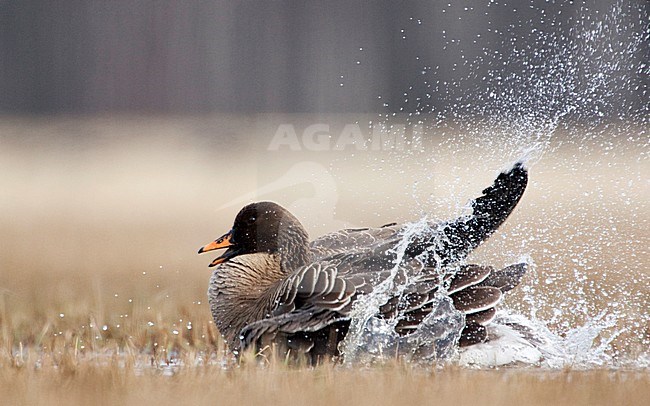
x=275, y=290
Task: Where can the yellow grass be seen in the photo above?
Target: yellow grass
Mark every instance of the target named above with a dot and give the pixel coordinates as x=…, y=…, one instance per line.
x=100, y=284
x=326, y=385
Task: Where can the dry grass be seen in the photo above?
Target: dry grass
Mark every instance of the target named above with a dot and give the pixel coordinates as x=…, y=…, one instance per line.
x=91, y=383
x=100, y=220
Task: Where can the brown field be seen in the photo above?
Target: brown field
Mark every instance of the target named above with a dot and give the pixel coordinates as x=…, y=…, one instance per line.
x=327, y=385
x=101, y=287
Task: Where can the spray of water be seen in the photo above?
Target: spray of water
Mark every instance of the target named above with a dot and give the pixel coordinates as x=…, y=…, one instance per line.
x=584, y=82
x=373, y=339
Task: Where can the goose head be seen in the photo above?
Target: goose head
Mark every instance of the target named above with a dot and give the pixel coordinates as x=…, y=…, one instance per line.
x=264, y=227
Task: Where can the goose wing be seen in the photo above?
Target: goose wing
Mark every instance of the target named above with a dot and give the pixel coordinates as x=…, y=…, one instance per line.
x=449, y=241
x=332, y=283
x=452, y=241
x=319, y=296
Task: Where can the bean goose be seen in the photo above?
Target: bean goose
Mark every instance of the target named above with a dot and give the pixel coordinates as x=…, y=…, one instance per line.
x=273, y=287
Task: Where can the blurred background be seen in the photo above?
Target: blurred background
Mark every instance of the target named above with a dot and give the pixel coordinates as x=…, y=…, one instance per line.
x=171, y=57
x=131, y=132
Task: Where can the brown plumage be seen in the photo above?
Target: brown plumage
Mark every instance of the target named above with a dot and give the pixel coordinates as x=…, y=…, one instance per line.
x=272, y=286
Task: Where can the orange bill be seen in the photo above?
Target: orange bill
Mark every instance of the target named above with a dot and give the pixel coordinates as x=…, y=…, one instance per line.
x=221, y=242
x=225, y=241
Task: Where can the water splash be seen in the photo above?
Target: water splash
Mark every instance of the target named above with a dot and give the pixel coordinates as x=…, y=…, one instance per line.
x=555, y=88
x=371, y=338
x=584, y=76
x=434, y=341
x=518, y=340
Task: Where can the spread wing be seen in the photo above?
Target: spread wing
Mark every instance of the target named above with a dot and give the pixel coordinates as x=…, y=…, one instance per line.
x=452, y=241
x=448, y=242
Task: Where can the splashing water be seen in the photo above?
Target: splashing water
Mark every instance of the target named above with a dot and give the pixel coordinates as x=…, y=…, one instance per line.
x=576, y=88
x=514, y=338
x=552, y=79
x=435, y=340
x=370, y=338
